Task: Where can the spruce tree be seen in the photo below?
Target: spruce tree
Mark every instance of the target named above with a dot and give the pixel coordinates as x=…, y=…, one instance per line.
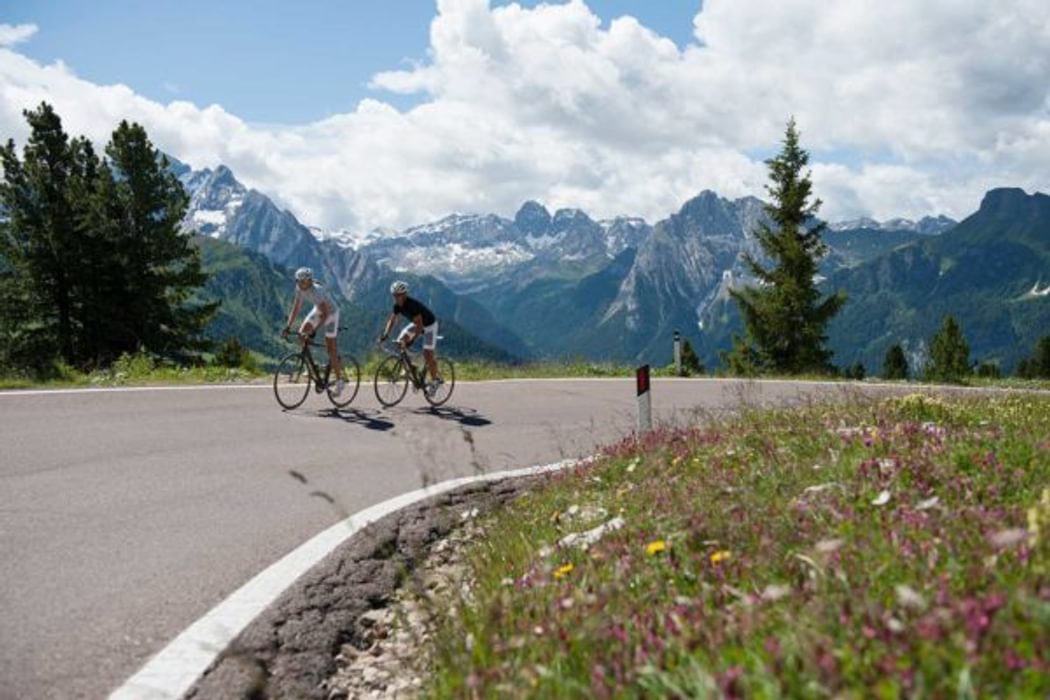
x=161, y=265
x=1038, y=365
x=690, y=360
x=92, y=259
x=38, y=245
x=784, y=315
x=949, y=353
x=895, y=366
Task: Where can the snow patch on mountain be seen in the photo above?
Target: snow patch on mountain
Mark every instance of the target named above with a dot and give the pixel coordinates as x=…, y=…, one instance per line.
x=457, y=260
x=928, y=225
x=215, y=198
x=353, y=240
x=1037, y=292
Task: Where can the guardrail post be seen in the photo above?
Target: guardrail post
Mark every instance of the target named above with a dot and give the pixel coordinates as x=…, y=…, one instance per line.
x=645, y=406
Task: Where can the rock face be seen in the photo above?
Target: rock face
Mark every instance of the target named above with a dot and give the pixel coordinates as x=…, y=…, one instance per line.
x=679, y=266
x=471, y=251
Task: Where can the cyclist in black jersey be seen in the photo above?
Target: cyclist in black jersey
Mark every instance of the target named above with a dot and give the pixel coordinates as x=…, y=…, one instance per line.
x=422, y=323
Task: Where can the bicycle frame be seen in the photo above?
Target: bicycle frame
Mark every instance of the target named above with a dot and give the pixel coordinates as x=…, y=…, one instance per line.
x=313, y=368
x=416, y=375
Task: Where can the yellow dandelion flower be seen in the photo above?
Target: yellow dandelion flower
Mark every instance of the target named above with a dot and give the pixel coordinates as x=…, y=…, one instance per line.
x=720, y=556
x=562, y=571
x=655, y=547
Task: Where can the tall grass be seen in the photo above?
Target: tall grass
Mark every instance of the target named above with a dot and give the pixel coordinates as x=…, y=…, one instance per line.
x=899, y=548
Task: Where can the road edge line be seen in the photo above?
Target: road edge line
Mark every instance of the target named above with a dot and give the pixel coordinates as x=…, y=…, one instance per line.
x=172, y=671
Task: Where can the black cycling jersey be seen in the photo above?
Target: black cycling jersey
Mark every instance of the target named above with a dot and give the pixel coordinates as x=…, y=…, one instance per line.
x=412, y=308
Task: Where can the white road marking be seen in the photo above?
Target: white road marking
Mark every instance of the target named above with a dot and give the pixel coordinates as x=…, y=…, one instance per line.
x=174, y=670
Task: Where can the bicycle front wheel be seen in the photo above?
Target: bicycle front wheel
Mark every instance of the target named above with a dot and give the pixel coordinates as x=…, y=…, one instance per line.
x=291, y=381
x=391, y=382
x=353, y=383
x=442, y=393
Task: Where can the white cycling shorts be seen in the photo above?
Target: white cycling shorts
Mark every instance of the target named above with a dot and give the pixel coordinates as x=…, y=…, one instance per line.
x=430, y=334
x=313, y=320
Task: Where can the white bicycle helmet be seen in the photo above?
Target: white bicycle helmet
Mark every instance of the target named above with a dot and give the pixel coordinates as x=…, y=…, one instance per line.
x=304, y=273
x=399, y=287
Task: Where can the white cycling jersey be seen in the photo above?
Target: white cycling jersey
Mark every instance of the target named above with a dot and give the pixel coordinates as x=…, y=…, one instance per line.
x=316, y=295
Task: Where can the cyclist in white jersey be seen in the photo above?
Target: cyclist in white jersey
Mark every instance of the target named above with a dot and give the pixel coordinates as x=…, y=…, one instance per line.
x=324, y=313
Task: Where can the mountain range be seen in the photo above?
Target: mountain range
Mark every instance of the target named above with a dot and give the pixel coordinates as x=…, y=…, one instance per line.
x=223, y=210
x=562, y=284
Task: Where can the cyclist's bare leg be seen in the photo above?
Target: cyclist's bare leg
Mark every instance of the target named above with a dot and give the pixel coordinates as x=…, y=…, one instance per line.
x=304, y=332
x=333, y=357
x=431, y=360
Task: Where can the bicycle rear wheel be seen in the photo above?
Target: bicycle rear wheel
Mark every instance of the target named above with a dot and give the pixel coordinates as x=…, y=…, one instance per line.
x=448, y=373
x=353, y=383
x=291, y=381
x=391, y=382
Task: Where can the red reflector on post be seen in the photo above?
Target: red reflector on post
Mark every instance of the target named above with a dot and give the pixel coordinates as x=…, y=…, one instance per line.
x=642, y=379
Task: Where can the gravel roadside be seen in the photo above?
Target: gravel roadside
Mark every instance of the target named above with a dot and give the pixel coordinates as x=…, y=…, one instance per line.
x=355, y=626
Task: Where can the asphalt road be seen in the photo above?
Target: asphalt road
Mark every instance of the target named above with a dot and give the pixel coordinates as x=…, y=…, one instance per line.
x=126, y=515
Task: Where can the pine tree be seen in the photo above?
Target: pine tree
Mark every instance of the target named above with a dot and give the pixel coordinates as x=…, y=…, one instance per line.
x=1038, y=365
x=92, y=261
x=161, y=265
x=895, y=366
x=690, y=360
x=38, y=244
x=784, y=315
x=949, y=353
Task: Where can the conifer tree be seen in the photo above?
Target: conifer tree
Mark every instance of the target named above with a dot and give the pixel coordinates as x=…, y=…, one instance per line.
x=1038, y=365
x=690, y=360
x=784, y=315
x=38, y=246
x=949, y=353
x=895, y=366
x=161, y=265
x=92, y=259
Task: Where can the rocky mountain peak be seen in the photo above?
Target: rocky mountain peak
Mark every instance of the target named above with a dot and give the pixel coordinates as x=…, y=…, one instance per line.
x=710, y=215
x=533, y=219
x=1007, y=201
x=565, y=219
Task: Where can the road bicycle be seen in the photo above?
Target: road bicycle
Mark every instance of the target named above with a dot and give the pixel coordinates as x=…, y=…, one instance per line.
x=397, y=372
x=297, y=372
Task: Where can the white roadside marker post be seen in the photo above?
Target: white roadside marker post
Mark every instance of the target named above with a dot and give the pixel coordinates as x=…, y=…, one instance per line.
x=645, y=405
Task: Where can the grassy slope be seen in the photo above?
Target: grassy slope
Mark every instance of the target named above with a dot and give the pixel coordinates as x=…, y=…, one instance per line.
x=872, y=550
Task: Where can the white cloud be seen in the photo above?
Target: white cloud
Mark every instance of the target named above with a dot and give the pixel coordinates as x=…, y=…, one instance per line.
x=11, y=34
x=548, y=104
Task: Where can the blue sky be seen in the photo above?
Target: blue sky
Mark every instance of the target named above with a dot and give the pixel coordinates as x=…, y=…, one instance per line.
x=268, y=61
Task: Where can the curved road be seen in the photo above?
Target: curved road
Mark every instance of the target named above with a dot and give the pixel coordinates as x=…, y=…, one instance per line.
x=125, y=515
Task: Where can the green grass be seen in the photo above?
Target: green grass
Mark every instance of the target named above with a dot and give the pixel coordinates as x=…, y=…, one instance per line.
x=133, y=370
x=878, y=550
x=472, y=370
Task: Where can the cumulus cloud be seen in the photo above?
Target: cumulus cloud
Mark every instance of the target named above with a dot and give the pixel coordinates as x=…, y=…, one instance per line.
x=11, y=34
x=925, y=104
